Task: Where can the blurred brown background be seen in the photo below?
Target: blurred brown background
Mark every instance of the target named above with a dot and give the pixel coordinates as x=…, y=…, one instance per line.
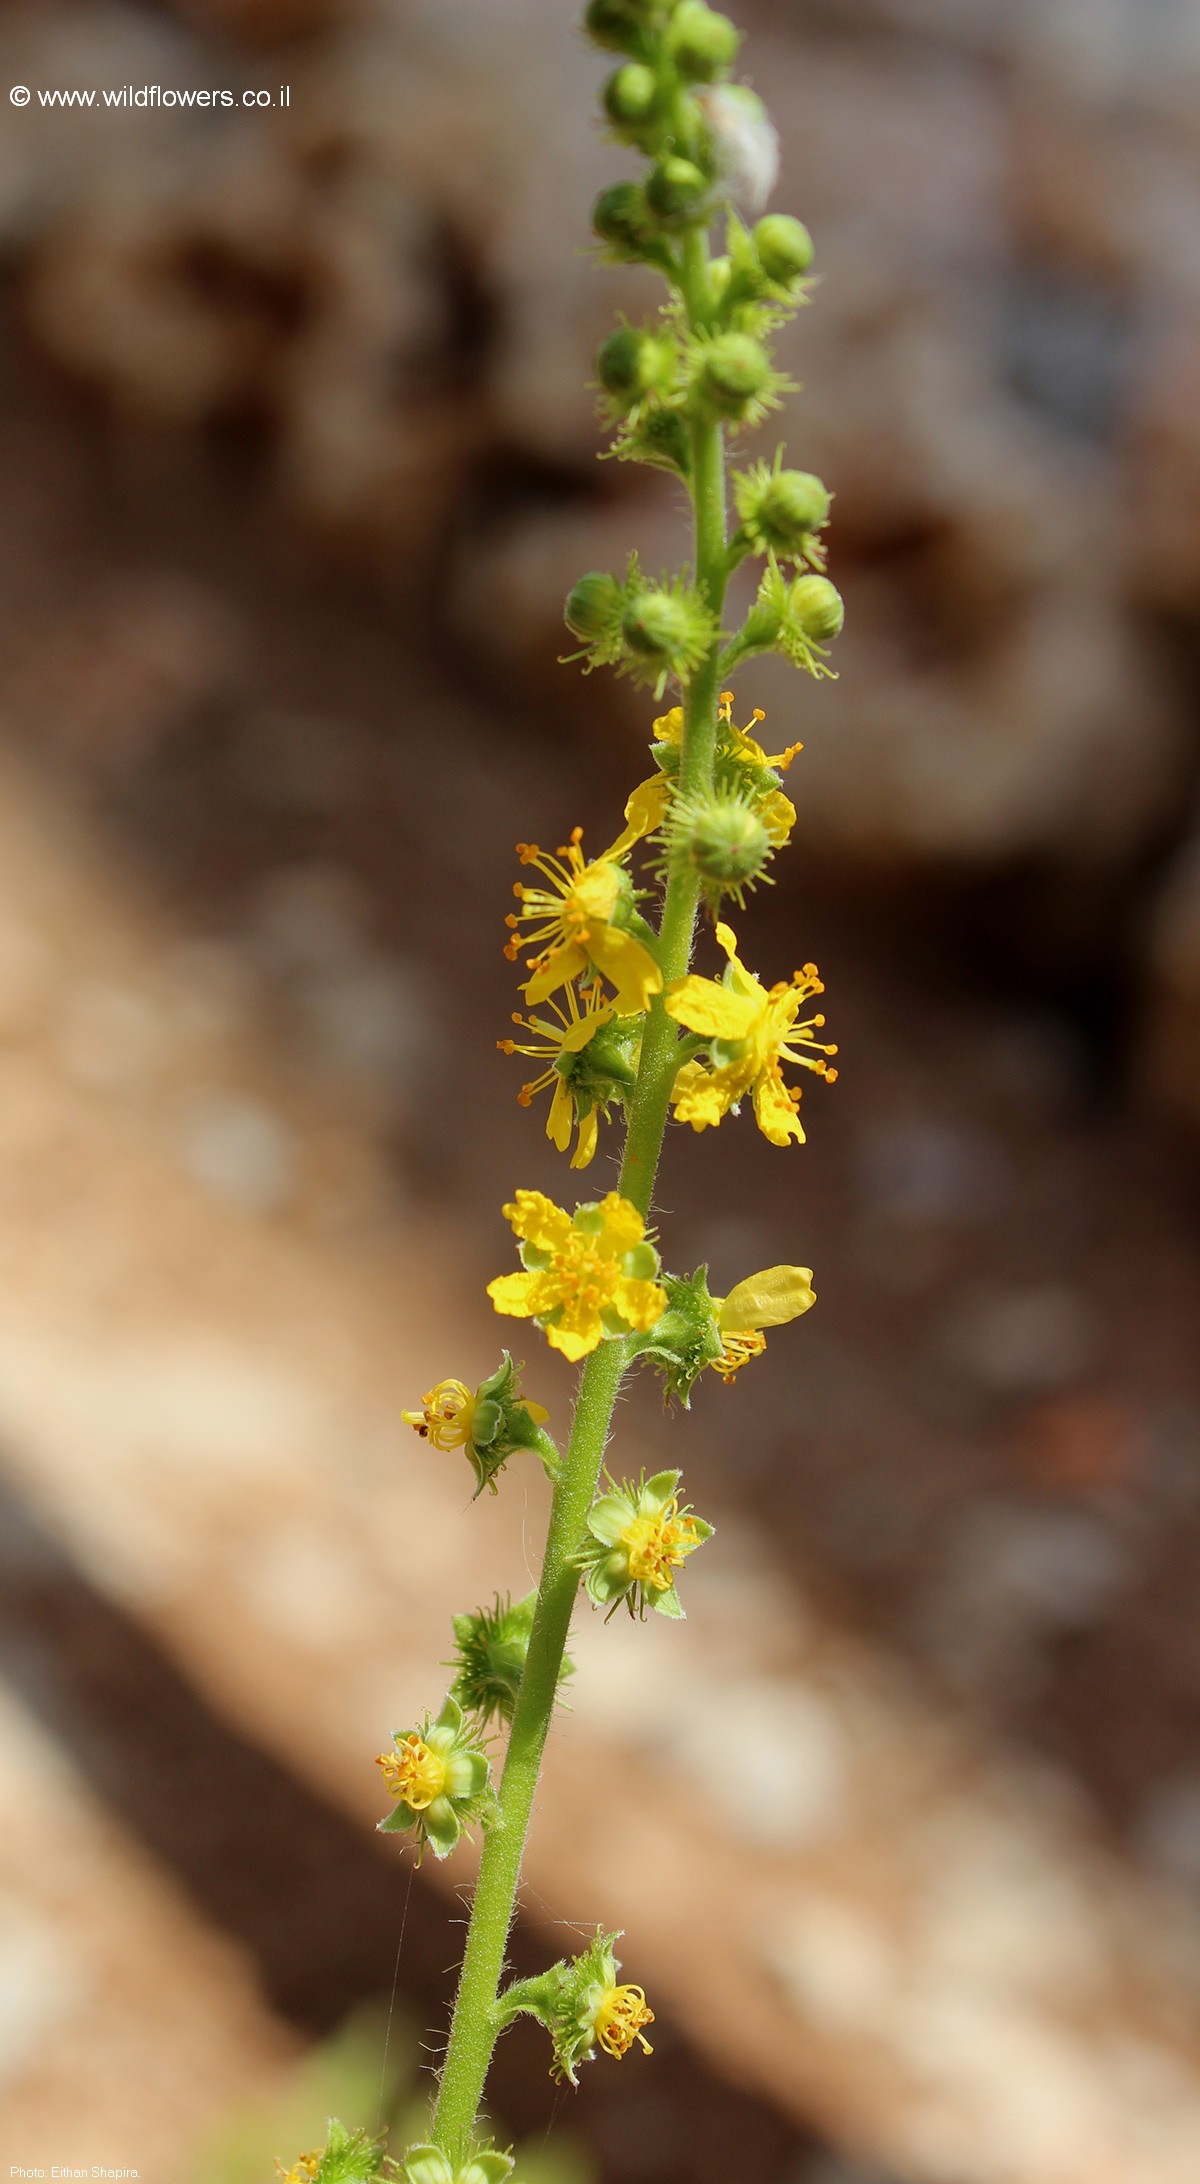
x=299, y=461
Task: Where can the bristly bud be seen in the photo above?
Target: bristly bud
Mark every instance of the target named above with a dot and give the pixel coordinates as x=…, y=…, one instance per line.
x=625, y=224
x=667, y=629
x=742, y=141
x=781, y=509
x=701, y=43
x=817, y=607
x=490, y=1651
x=631, y=98
x=347, y=2157
x=719, y=835
x=594, y=607
x=784, y=246
x=732, y=377
x=618, y=25
x=678, y=192
x=659, y=436
x=687, y=1338
x=632, y=363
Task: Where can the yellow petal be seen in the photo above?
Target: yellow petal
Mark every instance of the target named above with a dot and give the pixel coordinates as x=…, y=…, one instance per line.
x=668, y=728
x=561, y=1117
x=623, y=1225
x=574, y=1041
x=537, y=1411
x=705, y=1006
x=571, y=1343
x=641, y=1304
x=645, y=810
x=537, y=1220
x=564, y=964
x=778, y=815
x=631, y=968
x=510, y=1293
x=775, y=1111
x=701, y=1096
x=769, y=1299
x=589, y=1131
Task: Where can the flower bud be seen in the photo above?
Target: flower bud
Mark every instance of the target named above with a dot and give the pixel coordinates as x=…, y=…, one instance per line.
x=627, y=363
x=654, y=624
x=593, y=605
x=663, y=438
x=784, y=246
x=733, y=370
x=701, y=42
x=617, y=24
x=630, y=97
x=780, y=509
x=816, y=605
x=677, y=191
x=621, y=219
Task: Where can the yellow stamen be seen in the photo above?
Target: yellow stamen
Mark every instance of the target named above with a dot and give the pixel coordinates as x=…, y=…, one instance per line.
x=301, y=2171
x=738, y=1351
x=414, y=1774
x=447, y=1415
x=619, y=2020
x=658, y=1545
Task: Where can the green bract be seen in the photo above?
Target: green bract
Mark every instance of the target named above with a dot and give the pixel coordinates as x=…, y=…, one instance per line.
x=638, y=1537
x=347, y=2157
x=687, y=1337
x=441, y=1778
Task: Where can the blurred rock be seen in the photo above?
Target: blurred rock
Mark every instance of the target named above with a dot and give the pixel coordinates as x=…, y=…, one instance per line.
x=1025, y=1343
x=240, y=1151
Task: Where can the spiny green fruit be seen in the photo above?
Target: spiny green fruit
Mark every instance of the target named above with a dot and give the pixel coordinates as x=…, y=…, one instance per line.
x=780, y=509
x=723, y=838
x=656, y=624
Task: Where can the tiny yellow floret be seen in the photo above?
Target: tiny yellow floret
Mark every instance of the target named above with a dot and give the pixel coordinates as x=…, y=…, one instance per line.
x=301, y=2171
x=413, y=1772
x=582, y=1271
x=619, y=2020
x=657, y=1546
x=446, y=1417
x=570, y=1034
x=570, y=926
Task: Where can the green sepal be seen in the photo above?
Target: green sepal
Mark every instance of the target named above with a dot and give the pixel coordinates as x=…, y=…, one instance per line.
x=503, y=1426
x=399, y=1821
x=669, y=1604
x=442, y=1826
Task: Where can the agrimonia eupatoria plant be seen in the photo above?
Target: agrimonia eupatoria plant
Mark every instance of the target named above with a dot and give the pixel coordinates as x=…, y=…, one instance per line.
x=622, y=1030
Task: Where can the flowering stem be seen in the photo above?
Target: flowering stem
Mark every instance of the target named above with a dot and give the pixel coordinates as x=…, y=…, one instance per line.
x=476, y=2023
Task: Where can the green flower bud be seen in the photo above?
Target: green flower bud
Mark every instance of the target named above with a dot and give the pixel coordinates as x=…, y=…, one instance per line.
x=628, y=364
x=593, y=606
x=701, y=42
x=631, y=96
x=784, y=246
x=670, y=630
x=621, y=219
x=618, y=24
x=780, y=509
x=733, y=371
x=678, y=192
x=816, y=606
x=686, y=1338
x=663, y=438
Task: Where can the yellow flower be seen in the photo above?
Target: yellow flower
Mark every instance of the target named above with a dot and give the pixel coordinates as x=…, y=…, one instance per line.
x=446, y=1417
x=742, y=745
x=658, y=1545
x=620, y=2015
x=753, y=1031
x=777, y=811
x=568, y=1036
x=769, y=1299
x=302, y=2171
x=571, y=918
x=414, y=1773
x=586, y=1276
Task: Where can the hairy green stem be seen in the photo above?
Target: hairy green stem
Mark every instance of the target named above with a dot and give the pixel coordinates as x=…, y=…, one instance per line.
x=473, y=2030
